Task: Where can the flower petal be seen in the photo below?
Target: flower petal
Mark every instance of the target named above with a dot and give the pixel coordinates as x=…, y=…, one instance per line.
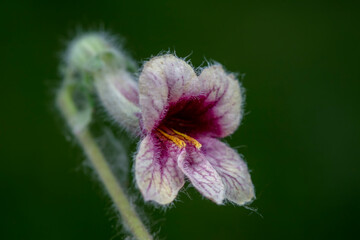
x=202, y=175
x=224, y=94
x=156, y=171
x=163, y=80
x=232, y=169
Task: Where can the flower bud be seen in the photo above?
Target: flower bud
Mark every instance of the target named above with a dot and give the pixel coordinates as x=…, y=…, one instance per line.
x=94, y=52
x=118, y=93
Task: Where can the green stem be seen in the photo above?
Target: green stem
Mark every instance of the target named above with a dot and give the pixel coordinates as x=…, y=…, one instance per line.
x=93, y=152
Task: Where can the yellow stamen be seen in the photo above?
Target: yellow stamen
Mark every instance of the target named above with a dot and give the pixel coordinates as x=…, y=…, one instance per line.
x=190, y=139
x=180, y=143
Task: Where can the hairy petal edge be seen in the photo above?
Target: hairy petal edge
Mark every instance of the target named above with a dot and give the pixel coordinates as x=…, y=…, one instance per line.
x=224, y=94
x=163, y=81
x=156, y=171
x=232, y=170
x=202, y=175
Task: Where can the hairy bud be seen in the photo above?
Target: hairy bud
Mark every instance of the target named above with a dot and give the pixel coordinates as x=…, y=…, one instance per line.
x=93, y=52
x=118, y=93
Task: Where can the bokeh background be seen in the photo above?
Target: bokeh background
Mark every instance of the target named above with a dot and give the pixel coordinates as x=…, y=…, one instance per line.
x=300, y=135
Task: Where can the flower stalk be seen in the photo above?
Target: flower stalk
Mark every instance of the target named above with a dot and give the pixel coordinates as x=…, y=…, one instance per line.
x=91, y=62
x=84, y=137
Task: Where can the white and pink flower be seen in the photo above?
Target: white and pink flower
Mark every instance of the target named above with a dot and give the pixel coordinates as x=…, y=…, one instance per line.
x=182, y=118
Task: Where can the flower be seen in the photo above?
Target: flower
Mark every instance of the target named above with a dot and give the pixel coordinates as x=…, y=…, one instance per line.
x=182, y=117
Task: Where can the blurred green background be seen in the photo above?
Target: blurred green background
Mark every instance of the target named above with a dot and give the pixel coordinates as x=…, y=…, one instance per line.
x=300, y=136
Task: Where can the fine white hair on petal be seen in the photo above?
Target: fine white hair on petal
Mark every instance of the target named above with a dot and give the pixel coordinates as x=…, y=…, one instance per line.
x=224, y=90
x=202, y=175
x=157, y=174
x=232, y=170
x=164, y=80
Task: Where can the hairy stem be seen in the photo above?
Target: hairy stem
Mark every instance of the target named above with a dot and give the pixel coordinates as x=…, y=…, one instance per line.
x=102, y=168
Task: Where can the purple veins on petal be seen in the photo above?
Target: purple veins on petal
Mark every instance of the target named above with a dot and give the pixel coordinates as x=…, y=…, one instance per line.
x=226, y=93
x=202, y=175
x=156, y=171
x=232, y=170
x=163, y=79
